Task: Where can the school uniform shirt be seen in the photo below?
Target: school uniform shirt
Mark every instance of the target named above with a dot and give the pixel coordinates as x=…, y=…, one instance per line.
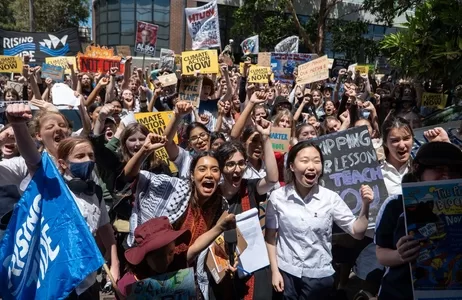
x=183, y=162
x=393, y=177
x=252, y=173
x=304, y=241
x=389, y=228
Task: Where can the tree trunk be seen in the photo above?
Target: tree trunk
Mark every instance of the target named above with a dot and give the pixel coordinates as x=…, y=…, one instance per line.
x=322, y=19
x=301, y=31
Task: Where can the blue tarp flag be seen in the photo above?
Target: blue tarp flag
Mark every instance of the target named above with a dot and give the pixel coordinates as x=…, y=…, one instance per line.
x=47, y=249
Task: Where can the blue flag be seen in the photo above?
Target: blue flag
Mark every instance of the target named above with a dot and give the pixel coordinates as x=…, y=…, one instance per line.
x=47, y=249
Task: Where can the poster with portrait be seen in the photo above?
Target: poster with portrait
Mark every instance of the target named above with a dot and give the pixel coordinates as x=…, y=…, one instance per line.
x=146, y=38
x=283, y=65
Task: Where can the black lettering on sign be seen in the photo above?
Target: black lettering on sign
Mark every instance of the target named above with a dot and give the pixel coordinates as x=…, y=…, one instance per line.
x=350, y=161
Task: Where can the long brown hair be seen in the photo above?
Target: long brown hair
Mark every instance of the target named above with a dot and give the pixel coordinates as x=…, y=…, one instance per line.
x=130, y=130
x=391, y=123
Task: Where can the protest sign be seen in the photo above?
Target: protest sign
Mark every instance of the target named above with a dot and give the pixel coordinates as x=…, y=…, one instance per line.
x=363, y=69
x=350, y=161
x=433, y=216
x=146, y=38
x=434, y=100
x=288, y=45
x=250, y=45
x=190, y=89
x=39, y=45
x=124, y=50
x=174, y=285
x=47, y=239
x=168, y=80
x=284, y=64
x=331, y=62
x=264, y=59
x=337, y=65
x=156, y=123
x=99, y=60
x=64, y=95
x=56, y=73
x=280, y=139
x=97, y=51
x=167, y=59
x=258, y=74
x=312, y=71
x=10, y=64
x=63, y=62
x=203, y=25
x=204, y=62
x=18, y=87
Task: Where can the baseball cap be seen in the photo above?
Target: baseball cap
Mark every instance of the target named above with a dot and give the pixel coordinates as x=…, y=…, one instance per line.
x=152, y=235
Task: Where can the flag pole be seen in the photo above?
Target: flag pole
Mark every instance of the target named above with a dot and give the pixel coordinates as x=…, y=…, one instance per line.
x=113, y=282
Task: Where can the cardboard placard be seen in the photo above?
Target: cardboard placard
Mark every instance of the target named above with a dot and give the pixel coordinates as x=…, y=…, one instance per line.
x=434, y=100
x=190, y=89
x=64, y=95
x=18, y=87
x=312, y=71
x=258, y=74
x=167, y=59
x=363, y=69
x=56, y=73
x=217, y=257
x=264, y=59
x=204, y=62
x=284, y=64
x=280, y=139
x=350, y=161
x=433, y=216
x=124, y=50
x=62, y=61
x=168, y=80
x=10, y=64
x=100, y=65
x=174, y=285
x=156, y=122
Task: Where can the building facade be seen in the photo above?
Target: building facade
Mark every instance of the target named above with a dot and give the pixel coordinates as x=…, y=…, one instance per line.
x=114, y=21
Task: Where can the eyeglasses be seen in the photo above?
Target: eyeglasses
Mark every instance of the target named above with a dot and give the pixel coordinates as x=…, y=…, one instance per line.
x=231, y=165
x=203, y=136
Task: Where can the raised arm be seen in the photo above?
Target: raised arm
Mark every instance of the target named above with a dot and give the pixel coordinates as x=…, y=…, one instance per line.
x=256, y=98
x=182, y=108
x=46, y=93
x=272, y=174
x=128, y=66
x=84, y=117
x=103, y=82
x=106, y=111
x=18, y=115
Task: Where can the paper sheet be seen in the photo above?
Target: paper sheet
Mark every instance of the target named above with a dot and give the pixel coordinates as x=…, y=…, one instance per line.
x=62, y=94
x=255, y=257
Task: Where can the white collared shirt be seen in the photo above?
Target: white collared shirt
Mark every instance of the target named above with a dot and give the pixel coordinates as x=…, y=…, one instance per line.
x=304, y=240
x=393, y=177
x=252, y=173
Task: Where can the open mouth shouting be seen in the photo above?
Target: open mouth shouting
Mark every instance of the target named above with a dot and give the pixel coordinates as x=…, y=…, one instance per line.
x=208, y=186
x=236, y=179
x=402, y=154
x=202, y=146
x=310, y=178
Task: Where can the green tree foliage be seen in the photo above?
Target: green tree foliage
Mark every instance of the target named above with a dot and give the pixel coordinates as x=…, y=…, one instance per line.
x=386, y=10
x=50, y=15
x=431, y=46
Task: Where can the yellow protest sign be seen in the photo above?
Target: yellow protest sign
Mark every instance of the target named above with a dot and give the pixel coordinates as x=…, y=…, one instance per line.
x=156, y=123
x=434, y=100
x=10, y=64
x=312, y=71
x=258, y=74
x=280, y=139
x=363, y=69
x=62, y=61
x=204, y=62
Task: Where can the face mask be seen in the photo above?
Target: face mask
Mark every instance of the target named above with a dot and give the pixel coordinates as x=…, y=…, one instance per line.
x=365, y=114
x=82, y=170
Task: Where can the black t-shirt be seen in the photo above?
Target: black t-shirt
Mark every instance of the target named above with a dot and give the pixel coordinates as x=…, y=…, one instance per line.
x=390, y=227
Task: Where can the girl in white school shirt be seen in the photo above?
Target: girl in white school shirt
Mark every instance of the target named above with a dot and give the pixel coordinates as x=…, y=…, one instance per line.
x=301, y=213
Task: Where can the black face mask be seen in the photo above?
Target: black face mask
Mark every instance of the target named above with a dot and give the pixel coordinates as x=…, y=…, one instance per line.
x=78, y=186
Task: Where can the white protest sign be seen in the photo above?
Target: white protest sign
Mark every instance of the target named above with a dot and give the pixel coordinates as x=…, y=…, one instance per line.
x=203, y=25
x=62, y=94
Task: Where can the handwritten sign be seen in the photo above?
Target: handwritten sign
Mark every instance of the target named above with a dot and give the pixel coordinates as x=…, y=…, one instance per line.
x=280, y=139
x=100, y=65
x=190, y=89
x=312, y=71
x=156, y=123
x=174, y=285
x=168, y=80
x=62, y=61
x=18, y=87
x=264, y=59
x=10, y=64
x=204, y=62
x=259, y=74
x=350, y=161
x=56, y=73
x=167, y=59
x=124, y=50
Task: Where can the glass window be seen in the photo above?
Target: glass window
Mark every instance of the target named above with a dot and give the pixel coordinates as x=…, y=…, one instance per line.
x=128, y=28
x=113, y=15
x=103, y=16
x=113, y=27
x=163, y=5
x=144, y=4
x=379, y=29
x=161, y=17
x=102, y=28
x=103, y=39
x=103, y=5
x=127, y=40
x=128, y=15
x=113, y=4
x=127, y=4
x=144, y=15
x=113, y=39
x=370, y=29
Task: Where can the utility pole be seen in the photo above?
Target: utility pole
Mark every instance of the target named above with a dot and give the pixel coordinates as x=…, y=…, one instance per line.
x=31, y=16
